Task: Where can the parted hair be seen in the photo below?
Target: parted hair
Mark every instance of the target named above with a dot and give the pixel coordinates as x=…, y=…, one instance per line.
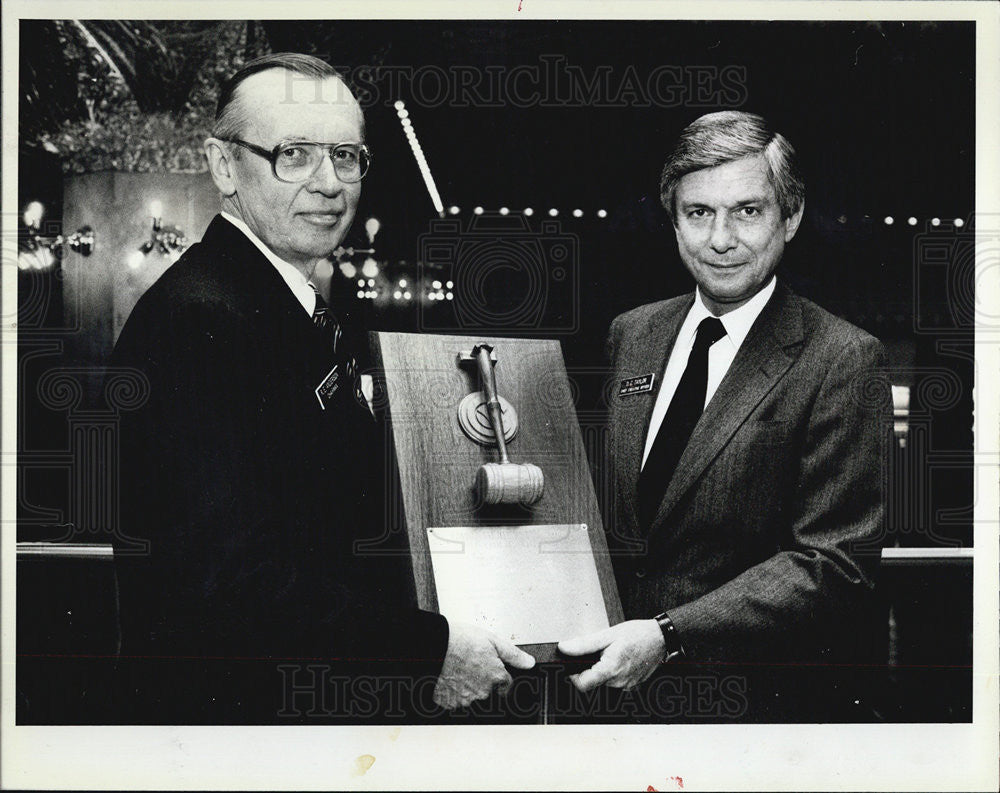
x=718, y=138
x=229, y=119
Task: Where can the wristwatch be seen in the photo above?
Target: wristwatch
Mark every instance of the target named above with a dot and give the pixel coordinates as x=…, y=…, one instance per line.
x=670, y=637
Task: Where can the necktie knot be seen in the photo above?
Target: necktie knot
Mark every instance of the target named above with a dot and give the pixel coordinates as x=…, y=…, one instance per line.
x=710, y=330
x=320, y=308
x=324, y=319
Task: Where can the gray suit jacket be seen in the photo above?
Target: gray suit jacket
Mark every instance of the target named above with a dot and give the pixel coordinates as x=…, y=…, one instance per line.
x=767, y=538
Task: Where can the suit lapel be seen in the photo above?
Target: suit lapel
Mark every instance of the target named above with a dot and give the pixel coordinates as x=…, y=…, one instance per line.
x=288, y=335
x=765, y=355
x=272, y=296
x=647, y=353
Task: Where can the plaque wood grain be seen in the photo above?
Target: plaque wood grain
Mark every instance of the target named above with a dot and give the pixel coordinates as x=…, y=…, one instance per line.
x=437, y=463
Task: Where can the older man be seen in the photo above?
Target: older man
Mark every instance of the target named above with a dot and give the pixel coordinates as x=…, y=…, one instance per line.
x=746, y=448
x=253, y=470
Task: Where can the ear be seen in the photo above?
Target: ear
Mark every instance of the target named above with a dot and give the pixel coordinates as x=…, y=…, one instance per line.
x=792, y=223
x=220, y=164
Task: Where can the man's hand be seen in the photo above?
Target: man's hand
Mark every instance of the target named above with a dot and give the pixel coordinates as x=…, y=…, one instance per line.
x=630, y=651
x=474, y=665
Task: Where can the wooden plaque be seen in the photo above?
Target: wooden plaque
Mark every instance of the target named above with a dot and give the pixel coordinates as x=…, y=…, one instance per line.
x=437, y=462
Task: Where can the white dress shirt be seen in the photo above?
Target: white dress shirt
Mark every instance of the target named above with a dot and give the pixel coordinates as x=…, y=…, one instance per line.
x=720, y=355
x=302, y=290
x=291, y=275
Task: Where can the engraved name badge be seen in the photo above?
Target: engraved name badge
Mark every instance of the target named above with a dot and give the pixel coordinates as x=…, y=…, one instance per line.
x=636, y=385
x=326, y=389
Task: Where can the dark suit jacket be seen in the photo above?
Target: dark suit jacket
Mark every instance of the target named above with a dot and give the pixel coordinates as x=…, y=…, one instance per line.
x=250, y=494
x=766, y=542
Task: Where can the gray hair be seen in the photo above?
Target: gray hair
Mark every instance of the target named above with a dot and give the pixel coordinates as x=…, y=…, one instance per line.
x=230, y=117
x=718, y=138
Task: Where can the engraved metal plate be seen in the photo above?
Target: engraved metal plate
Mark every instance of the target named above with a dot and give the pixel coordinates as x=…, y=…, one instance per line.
x=530, y=584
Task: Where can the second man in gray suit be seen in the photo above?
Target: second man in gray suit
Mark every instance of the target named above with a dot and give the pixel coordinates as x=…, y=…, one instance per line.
x=747, y=434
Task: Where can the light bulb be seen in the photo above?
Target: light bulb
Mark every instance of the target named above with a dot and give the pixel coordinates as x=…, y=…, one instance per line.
x=33, y=214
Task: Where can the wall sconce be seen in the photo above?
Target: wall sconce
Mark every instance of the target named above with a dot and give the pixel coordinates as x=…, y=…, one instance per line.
x=342, y=256
x=81, y=241
x=168, y=239
x=342, y=253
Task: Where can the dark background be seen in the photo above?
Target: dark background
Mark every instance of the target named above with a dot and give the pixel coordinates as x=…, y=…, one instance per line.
x=882, y=115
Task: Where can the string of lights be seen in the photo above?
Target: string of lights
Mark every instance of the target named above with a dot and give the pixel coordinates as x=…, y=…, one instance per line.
x=602, y=214
x=418, y=155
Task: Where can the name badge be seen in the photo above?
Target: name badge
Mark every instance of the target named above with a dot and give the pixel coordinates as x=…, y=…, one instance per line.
x=326, y=389
x=636, y=385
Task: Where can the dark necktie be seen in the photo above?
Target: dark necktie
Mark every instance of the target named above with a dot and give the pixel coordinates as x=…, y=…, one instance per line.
x=685, y=409
x=327, y=321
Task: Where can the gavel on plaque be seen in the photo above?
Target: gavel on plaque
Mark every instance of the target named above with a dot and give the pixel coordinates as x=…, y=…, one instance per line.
x=488, y=418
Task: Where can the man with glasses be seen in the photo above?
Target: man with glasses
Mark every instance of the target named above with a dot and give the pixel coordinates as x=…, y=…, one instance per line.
x=254, y=469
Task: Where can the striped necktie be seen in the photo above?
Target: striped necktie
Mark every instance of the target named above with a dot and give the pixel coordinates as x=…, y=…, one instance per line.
x=324, y=319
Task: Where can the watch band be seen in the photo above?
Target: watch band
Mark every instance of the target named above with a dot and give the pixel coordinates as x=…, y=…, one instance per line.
x=671, y=637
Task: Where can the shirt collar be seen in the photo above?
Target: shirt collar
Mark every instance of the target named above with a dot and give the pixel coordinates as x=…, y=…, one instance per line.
x=736, y=322
x=290, y=274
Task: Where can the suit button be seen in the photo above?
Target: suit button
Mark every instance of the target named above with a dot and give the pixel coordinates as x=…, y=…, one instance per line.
x=640, y=572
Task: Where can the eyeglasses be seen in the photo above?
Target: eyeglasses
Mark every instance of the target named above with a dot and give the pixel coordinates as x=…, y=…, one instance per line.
x=297, y=162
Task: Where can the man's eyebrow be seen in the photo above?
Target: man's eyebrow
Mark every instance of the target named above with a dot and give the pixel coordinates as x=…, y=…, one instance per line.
x=302, y=139
x=761, y=199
